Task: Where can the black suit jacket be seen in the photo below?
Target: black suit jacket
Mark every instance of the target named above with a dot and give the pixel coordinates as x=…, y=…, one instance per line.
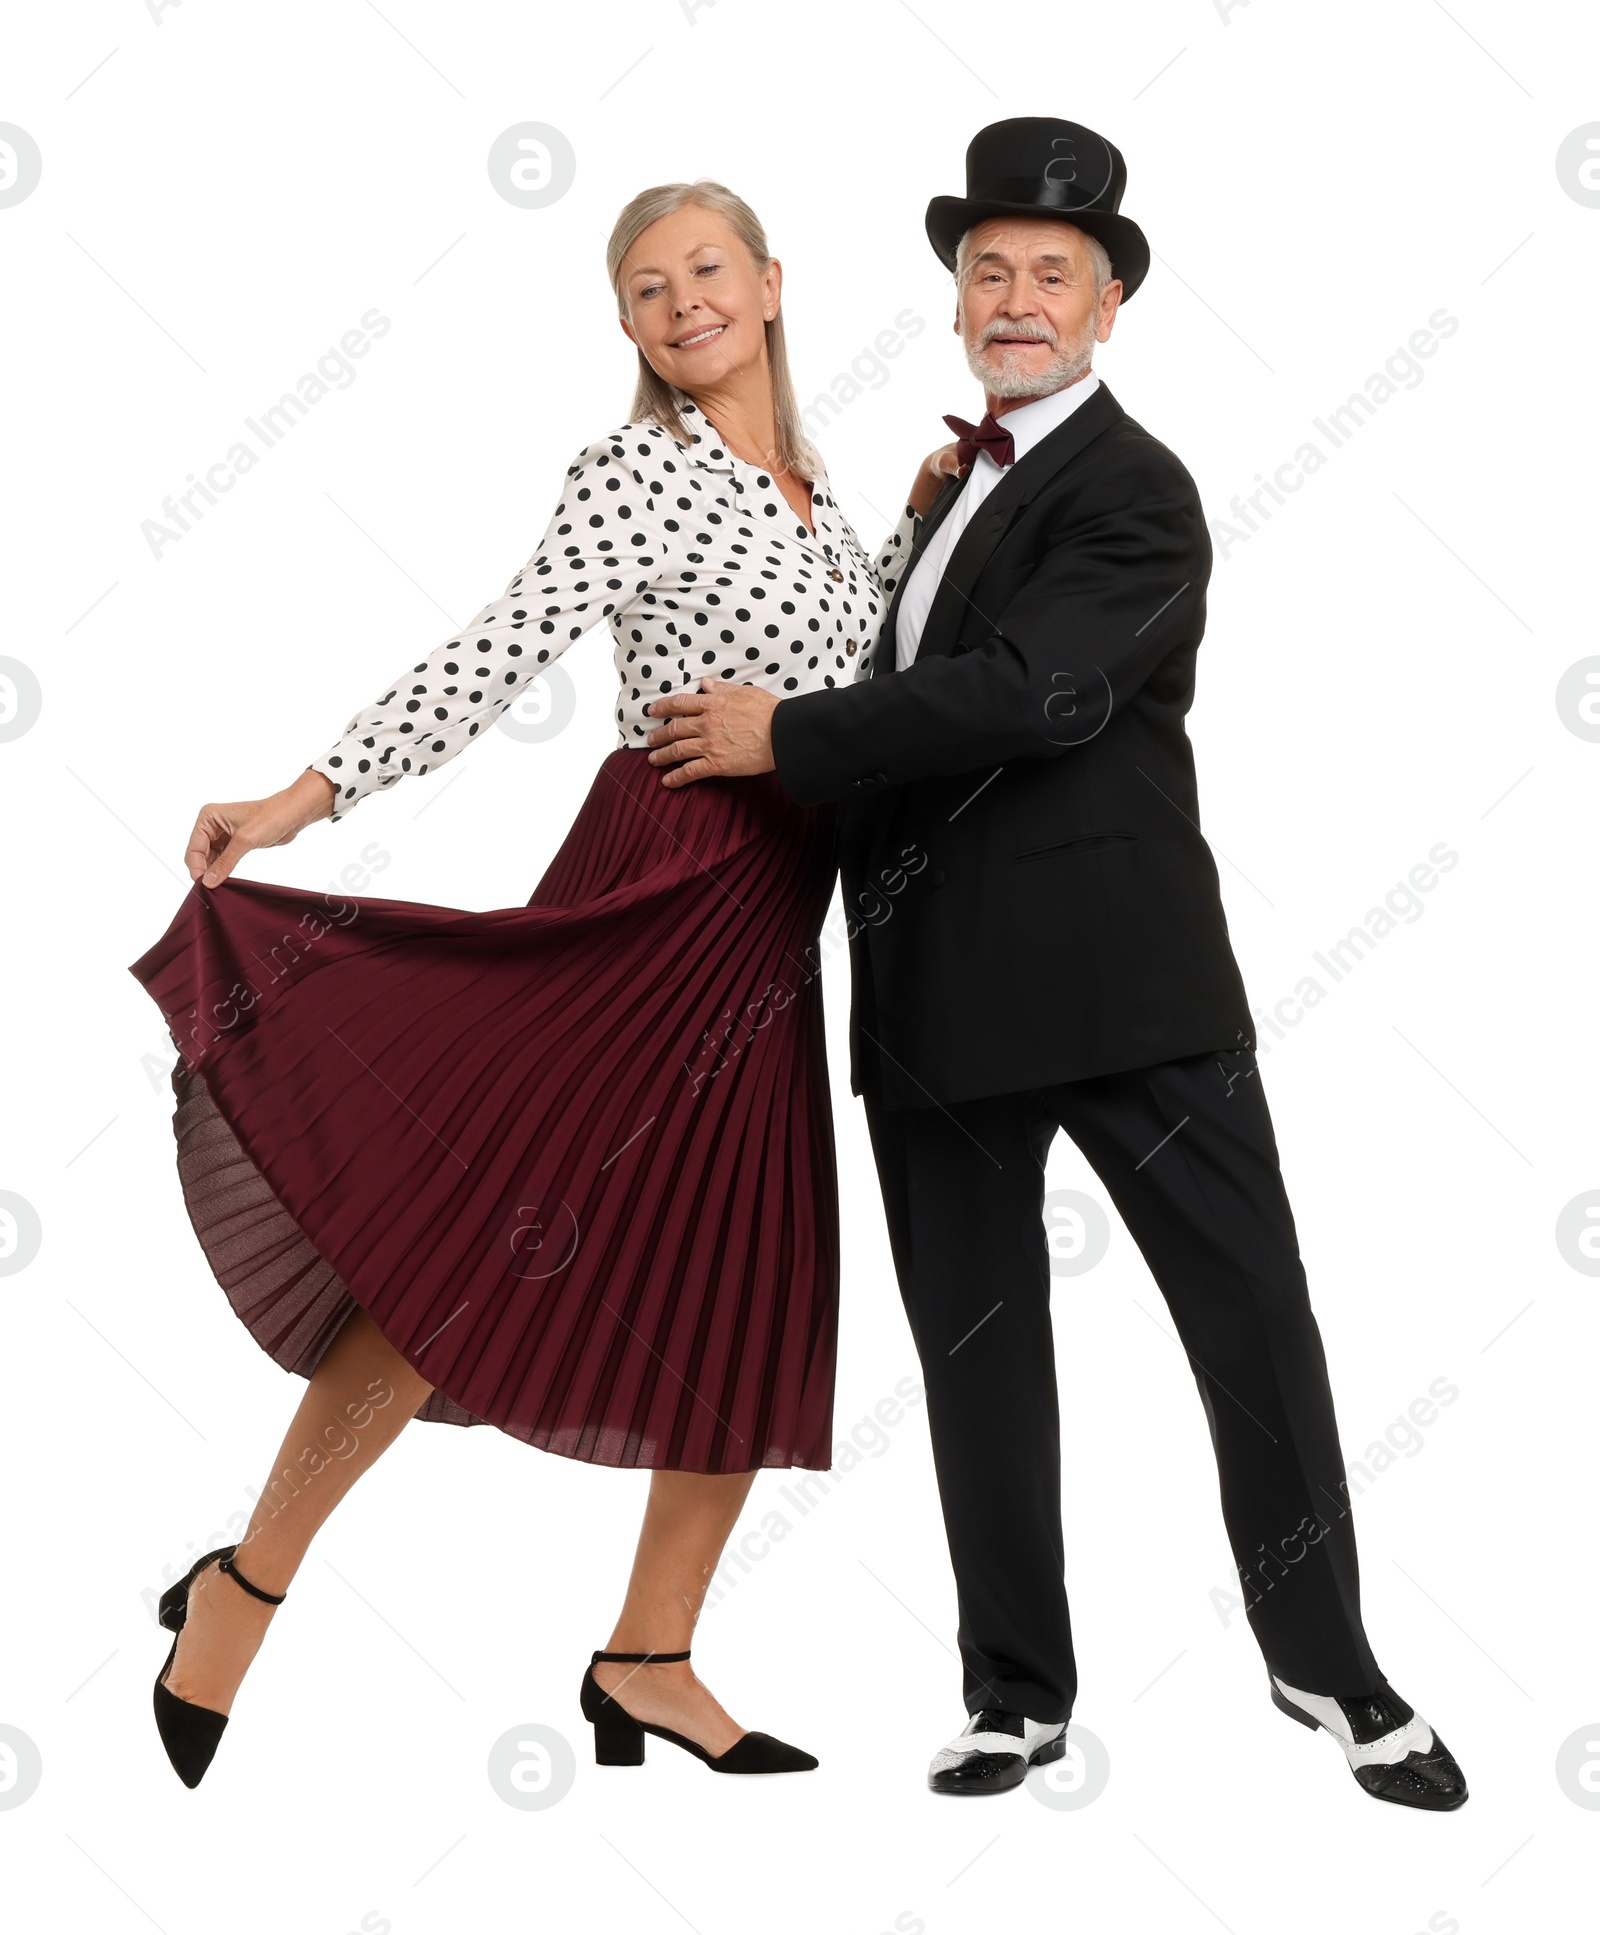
x=1029, y=895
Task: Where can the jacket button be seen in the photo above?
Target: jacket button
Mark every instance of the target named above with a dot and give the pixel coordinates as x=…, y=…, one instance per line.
x=836, y=574
x=849, y=648
x=938, y=876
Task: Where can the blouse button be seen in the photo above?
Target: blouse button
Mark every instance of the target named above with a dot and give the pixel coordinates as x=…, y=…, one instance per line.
x=836, y=574
x=849, y=648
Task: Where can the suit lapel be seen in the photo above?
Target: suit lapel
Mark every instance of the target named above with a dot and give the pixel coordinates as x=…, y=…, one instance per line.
x=1022, y=482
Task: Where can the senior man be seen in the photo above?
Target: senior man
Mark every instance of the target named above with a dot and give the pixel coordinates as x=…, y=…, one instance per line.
x=1018, y=788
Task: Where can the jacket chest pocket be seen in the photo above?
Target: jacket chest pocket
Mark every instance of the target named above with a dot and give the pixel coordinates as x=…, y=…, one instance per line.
x=1077, y=843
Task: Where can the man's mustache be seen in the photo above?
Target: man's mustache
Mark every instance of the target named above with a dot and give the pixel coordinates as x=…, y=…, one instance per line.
x=1033, y=332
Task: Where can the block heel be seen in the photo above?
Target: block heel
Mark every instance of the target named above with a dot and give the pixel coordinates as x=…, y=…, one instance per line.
x=617, y=1744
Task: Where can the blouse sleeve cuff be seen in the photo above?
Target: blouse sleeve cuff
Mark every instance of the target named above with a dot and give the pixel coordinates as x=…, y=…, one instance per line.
x=350, y=785
x=896, y=550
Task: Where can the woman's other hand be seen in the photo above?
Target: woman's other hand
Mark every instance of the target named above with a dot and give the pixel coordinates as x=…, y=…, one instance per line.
x=937, y=466
x=223, y=835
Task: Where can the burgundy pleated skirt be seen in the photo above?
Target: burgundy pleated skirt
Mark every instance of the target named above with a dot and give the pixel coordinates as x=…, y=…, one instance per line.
x=575, y=1159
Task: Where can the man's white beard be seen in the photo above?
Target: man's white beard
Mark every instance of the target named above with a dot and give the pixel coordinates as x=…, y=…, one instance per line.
x=1070, y=361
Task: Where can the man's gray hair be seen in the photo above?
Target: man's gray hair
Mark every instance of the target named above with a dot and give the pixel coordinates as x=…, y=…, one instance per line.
x=1099, y=260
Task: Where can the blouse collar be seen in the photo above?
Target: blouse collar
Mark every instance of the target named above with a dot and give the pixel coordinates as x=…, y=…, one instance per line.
x=707, y=450
x=705, y=447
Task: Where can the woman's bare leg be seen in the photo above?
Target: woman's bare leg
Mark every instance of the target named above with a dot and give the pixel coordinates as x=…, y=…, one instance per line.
x=360, y=1398
x=686, y=1524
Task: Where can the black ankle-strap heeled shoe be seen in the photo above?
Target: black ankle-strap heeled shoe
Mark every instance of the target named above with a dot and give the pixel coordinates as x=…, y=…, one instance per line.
x=619, y=1737
x=190, y=1733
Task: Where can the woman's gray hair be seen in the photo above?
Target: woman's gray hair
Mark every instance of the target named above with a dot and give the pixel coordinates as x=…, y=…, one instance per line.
x=1099, y=260
x=654, y=397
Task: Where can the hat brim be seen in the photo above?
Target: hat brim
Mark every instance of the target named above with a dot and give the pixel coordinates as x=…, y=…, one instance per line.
x=950, y=216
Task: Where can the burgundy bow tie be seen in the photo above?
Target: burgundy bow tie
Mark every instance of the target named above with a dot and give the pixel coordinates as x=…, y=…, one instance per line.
x=982, y=436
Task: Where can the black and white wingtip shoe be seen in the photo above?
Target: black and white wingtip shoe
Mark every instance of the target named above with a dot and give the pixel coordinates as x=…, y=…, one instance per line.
x=1392, y=1751
x=994, y=1751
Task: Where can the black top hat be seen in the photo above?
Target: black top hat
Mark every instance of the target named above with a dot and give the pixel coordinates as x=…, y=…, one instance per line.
x=1040, y=166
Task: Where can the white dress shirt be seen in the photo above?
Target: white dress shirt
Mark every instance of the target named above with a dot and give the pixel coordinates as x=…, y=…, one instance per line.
x=695, y=563
x=1028, y=424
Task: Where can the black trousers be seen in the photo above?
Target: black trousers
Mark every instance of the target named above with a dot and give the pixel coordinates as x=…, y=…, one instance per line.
x=1185, y=1150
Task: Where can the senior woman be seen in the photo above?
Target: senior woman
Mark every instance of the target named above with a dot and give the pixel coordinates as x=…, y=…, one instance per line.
x=566, y=1169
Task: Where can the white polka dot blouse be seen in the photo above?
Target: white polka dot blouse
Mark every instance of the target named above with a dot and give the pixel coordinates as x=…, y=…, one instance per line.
x=700, y=567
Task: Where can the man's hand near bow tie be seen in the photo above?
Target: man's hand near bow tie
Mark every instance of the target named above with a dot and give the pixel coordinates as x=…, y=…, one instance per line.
x=939, y=464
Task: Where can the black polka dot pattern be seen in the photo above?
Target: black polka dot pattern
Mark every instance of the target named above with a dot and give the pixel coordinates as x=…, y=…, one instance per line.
x=699, y=565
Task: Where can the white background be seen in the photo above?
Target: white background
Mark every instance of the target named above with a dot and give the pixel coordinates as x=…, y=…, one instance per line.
x=225, y=191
